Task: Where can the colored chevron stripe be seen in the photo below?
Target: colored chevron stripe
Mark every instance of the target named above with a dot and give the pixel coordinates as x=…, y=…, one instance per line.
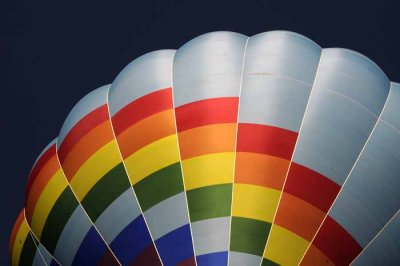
x=258, y=182
x=207, y=136
x=100, y=186
x=229, y=151
x=148, y=143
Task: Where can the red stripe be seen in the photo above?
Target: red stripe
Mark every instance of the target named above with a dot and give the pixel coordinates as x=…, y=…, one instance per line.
x=188, y=262
x=311, y=186
x=141, y=108
x=267, y=140
x=42, y=161
x=80, y=129
x=15, y=230
x=148, y=257
x=207, y=112
x=336, y=243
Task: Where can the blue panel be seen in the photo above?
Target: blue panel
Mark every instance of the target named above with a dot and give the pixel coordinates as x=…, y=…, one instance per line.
x=217, y=259
x=53, y=263
x=175, y=246
x=91, y=249
x=131, y=241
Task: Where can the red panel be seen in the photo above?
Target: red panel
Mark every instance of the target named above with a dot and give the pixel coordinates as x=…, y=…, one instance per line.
x=108, y=259
x=148, y=257
x=84, y=126
x=141, y=108
x=15, y=230
x=268, y=140
x=311, y=186
x=189, y=262
x=42, y=161
x=207, y=112
x=336, y=243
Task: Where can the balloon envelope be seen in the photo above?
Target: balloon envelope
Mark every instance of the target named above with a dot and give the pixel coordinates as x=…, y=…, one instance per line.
x=231, y=150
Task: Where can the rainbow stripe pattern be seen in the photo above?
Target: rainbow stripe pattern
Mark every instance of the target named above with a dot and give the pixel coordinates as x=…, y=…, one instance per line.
x=231, y=150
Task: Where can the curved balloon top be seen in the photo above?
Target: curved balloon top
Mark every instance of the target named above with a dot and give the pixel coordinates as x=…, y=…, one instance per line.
x=231, y=150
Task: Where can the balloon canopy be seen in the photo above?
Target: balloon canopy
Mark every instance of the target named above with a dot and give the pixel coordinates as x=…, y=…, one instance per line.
x=231, y=150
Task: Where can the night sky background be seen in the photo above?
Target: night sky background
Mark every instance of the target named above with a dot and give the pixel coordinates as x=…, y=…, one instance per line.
x=52, y=53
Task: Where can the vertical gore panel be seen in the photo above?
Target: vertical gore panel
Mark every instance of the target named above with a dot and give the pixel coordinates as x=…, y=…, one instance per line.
x=141, y=105
x=371, y=195
x=207, y=75
x=278, y=74
x=348, y=96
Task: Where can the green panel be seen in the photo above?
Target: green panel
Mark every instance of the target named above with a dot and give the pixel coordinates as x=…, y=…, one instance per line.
x=105, y=191
x=267, y=262
x=249, y=235
x=58, y=217
x=28, y=251
x=209, y=202
x=159, y=186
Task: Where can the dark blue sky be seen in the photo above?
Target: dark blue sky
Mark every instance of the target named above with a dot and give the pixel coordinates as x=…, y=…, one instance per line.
x=52, y=53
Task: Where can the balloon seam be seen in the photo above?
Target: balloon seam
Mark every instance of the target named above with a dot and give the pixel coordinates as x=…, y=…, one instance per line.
x=236, y=140
x=180, y=160
x=291, y=159
x=129, y=179
x=348, y=175
x=80, y=204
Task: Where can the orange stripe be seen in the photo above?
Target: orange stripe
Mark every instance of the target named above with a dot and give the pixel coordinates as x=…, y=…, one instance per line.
x=299, y=216
x=207, y=139
x=41, y=180
x=146, y=131
x=15, y=230
x=259, y=169
x=314, y=256
x=86, y=147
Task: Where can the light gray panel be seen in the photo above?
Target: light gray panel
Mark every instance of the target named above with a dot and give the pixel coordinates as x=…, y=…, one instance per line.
x=392, y=109
x=333, y=133
x=167, y=215
x=240, y=259
x=211, y=235
x=350, y=213
x=118, y=215
x=72, y=236
x=45, y=255
x=274, y=101
x=146, y=74
x=348, y=95
x=282, y=53
x=38, y=260
x=375, y=186
x=385, y=248
x=353, y=75
x=279, y=71
x=209, y=66
x=87, y=104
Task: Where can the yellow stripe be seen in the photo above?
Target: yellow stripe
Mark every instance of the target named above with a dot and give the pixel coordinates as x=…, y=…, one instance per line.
x=285, y=247
x=207, y=170
x=152, y=158
x=100, y=163
x=20, y=238
x=46, y=201
x=255, y=202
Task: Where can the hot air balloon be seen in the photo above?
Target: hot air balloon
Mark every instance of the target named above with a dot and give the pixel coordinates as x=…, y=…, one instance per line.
x=231, y=150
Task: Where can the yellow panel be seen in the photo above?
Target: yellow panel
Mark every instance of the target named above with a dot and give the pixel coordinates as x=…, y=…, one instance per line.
x=285, y=247
x=255, y=202
x=46, y=201
x=22, y=234
x=95, y=168
x=152, y=158
x=208, y=170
